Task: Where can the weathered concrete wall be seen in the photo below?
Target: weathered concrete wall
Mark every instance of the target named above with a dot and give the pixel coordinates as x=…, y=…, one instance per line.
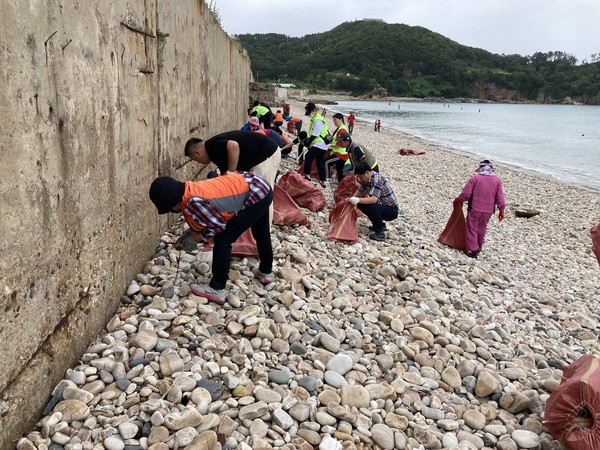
x=94, y=106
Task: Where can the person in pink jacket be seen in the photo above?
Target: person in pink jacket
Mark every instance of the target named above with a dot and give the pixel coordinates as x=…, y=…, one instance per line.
x=483, y=192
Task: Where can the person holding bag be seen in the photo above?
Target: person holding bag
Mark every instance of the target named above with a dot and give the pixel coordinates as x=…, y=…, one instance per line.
x=483, y=192
x=375, y=198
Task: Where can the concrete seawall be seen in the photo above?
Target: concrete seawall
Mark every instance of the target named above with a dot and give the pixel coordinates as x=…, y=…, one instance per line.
x=98, y=98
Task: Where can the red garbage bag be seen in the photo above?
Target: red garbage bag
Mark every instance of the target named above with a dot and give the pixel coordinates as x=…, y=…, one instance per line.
x=454, y=232
x=342, y=223
x=244, y=246
x=302, y=191
x=408, y=152
x=595, y=234
x=573, y=407
x=285, y=209
x=345, y=189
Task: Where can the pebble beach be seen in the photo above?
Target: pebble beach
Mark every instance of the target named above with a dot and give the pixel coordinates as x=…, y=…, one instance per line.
x=401, y=344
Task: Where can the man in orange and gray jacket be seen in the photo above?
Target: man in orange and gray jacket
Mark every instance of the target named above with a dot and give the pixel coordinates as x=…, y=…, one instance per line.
x=221, y=208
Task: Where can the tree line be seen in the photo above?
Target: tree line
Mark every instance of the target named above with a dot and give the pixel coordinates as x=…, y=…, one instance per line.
x=365, y=57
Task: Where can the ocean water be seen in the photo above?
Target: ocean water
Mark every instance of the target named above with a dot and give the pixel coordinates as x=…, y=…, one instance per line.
x=560, y=141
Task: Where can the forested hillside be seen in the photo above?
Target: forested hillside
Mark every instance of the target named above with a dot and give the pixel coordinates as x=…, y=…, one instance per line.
x=373, y=57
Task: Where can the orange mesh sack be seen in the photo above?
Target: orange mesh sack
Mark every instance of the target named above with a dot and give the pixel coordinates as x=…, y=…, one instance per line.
x=286, y=211
x=302, y=191
x=345, y=189
x=595, y=234
x=454, y=232
x=342, y=223
x=573, y=409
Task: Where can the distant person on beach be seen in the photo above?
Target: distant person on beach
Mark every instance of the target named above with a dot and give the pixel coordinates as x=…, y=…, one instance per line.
x=483, y=192
x=278, y=119
x=263, y=112
x=375, y=126
x=237, y=151
x=338, y=156
x=296, y=124
x=358, y=152
x=378, y=127
x=221, y=208
x=375, y=198
x=317, y=130
x=351, y=123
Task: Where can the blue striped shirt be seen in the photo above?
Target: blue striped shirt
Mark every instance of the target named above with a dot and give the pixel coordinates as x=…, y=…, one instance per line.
x=379, y=187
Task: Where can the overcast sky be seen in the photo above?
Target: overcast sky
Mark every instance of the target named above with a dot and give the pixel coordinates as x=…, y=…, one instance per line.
x=499, y=26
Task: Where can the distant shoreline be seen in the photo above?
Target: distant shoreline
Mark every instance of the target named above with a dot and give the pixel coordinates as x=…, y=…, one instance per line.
x=331, y=99
x=427, y=144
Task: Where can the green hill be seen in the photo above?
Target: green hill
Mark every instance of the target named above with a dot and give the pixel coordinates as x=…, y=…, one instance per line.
x=399, y=60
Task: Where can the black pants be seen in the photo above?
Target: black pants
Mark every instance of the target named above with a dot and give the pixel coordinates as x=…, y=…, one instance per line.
x=255, y=217
x=317, y=154
x=333, y=159
x=266, y=119
x=378, y=213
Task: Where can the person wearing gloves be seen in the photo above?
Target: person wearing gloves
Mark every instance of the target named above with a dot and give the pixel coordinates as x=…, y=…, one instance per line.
x=375, y=198
x=221, y=208
x=237, y=150
x=316, y=145
x=483, y=192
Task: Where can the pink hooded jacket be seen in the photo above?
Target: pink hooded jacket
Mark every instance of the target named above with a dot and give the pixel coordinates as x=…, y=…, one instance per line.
x=487, y=193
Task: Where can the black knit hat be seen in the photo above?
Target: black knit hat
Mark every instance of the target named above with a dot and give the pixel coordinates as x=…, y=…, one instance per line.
x=165, y=193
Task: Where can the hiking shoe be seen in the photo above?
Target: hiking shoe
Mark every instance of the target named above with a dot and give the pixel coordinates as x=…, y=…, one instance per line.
x=472, y=254
x=213, y=295
x=377, y=235
x=373, y=228
x=264, y=278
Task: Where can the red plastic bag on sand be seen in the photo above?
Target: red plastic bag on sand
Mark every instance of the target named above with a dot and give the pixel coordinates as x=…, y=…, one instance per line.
x=285, y=210
x=345, y=189
x=595, y=234
x=342, y=220
x=408, y=152
x=454, y=233
x=244, y=246
x=573, y=407
x=302, y=191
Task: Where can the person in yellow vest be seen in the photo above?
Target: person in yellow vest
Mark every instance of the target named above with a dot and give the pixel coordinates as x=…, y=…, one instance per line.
x=316, y=145
x=338, y=156
x=263, y=112
x=221, y=208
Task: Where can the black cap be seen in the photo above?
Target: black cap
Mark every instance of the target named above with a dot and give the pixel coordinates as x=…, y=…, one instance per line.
x=343, y=136
x=165, y=193
x=310, y=106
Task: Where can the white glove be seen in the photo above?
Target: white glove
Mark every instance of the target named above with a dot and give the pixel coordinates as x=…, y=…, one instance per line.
x=229, y=172
x=354, y=200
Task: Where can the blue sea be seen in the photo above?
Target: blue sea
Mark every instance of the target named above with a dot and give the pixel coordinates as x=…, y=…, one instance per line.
x=560, y=141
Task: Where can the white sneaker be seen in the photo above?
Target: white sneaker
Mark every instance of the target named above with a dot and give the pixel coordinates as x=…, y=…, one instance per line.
x=264, y=278
x=213, y=295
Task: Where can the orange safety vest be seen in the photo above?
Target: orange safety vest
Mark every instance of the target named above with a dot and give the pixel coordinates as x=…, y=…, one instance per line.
x=227, y=194
x=278, y=117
